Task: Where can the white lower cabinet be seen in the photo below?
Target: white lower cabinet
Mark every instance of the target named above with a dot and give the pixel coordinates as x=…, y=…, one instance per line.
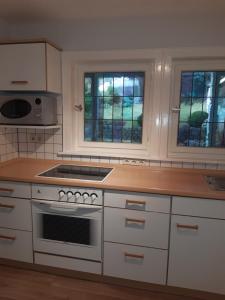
x=197, y=251
x=136, y=233
x=15, y=221
x=16, y=245
x=135, y=263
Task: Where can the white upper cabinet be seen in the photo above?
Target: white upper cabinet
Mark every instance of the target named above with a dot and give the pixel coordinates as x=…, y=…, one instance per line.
x=30, y=67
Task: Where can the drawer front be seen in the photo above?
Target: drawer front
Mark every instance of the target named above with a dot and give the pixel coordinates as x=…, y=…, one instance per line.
x=15, y=189
x=16, y=245
x=68, y=263
x=136, y=228
x=135, y=263
x=138, y=201
x=198, y=207
x=15, y=213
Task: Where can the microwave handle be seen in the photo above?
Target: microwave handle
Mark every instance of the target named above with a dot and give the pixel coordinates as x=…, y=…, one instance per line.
x=66, y=207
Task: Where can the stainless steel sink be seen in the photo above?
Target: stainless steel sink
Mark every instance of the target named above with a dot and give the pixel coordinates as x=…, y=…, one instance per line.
x=216, y=182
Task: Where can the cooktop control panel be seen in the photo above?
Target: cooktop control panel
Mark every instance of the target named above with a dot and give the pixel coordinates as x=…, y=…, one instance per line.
x=67, y=194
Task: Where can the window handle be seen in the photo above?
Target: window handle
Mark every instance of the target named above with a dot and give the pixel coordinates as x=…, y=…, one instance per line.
x=78, y=107
x=176, y=109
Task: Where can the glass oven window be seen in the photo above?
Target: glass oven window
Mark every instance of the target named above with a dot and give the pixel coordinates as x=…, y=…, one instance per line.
x=66, y=229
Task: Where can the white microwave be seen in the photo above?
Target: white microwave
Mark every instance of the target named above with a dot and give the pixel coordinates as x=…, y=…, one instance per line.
x=28, y=109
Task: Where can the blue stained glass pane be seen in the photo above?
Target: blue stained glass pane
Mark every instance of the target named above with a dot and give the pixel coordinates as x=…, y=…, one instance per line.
x=198, y=84
x=110, y=108
x=186, y=84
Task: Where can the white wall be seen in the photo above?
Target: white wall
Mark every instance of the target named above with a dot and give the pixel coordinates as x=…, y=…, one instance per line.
x=3, y=29
x=127, y=33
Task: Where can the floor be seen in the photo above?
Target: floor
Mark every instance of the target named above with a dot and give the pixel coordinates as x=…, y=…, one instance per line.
x=30, y=285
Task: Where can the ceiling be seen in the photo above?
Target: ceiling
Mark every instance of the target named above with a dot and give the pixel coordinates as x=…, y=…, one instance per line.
x=70, y=10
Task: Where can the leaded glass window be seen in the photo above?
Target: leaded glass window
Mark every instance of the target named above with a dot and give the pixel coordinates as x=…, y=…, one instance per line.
x=202, y=109
x=113, y=109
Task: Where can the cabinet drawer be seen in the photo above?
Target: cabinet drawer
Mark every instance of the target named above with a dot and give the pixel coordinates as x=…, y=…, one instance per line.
x=16, y=245
x=138, y=201
x=15, y=189
x=135, y=227
x=68, y=263
x=135, y=263
x=198, y=207
x=15, y=213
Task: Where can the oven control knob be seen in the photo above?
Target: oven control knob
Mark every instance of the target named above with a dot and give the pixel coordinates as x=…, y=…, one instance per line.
x=69, y=196
x=77, y=195
x=93, y=197
x=85, y=196
x=61, y=194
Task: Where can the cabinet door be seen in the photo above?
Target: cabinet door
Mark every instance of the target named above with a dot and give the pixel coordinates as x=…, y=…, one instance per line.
x=135, y=263
x=16, y=245
x=197, y=254
x=23, y=67
x=15, y=213
x=140, y=228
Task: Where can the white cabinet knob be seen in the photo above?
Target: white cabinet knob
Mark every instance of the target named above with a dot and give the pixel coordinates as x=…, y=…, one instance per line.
x=61, y=193
x=93, y=197
x=85, y=196
x=69, y=196
x=77, y=195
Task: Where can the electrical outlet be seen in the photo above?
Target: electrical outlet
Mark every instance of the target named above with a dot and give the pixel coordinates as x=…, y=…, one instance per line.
x=135, y=162
x=36, y=138
x=40, y=138
x=31, y=137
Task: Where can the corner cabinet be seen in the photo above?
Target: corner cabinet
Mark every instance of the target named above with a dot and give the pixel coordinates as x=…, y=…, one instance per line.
x=30, y=67
x=197, y=244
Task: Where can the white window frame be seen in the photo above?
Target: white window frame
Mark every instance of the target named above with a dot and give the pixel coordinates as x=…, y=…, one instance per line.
x=75, y=64
x=190, y=64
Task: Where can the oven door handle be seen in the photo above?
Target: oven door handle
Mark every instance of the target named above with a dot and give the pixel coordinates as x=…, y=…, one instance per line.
x=69, y=207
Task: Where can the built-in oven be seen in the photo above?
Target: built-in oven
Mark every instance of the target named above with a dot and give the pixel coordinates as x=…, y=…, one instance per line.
x=67, y=221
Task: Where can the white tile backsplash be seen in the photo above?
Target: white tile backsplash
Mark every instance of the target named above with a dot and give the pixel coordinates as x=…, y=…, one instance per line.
x=45, y=144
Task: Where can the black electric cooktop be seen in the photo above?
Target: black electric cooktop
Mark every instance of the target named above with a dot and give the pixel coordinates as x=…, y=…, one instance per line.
x=77, y=172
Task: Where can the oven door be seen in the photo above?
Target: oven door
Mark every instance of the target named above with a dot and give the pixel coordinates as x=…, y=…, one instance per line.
x=67, y=229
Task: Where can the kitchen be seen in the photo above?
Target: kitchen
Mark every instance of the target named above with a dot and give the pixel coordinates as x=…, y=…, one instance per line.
x=153, y=165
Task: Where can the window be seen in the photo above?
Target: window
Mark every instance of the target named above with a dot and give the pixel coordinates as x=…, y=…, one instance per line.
x=113, y=107
x=197, y=109
x=108, y=103
x=202, y=109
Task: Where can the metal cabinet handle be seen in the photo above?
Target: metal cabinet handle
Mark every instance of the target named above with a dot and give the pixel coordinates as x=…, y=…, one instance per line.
x=140, y=256
x=135, y=220
x=7, y=237
x=6, y=190
x=19, y=82
x=7, y=206
x=139, y=202
x=185, y=226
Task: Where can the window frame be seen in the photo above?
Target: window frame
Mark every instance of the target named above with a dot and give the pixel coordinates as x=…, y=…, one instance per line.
x=75, y=64
x=195, y=153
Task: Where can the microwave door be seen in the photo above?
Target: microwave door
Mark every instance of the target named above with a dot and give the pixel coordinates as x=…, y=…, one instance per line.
x=15, y=109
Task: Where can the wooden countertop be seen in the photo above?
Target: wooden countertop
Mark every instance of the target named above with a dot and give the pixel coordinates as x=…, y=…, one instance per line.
x=169, y=181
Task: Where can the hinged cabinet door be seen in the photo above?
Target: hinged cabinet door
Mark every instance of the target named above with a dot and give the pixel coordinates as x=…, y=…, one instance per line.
x=23, y=67
x=197, y=254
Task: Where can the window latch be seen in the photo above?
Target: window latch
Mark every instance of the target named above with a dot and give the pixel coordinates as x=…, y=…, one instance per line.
x=78, y=107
